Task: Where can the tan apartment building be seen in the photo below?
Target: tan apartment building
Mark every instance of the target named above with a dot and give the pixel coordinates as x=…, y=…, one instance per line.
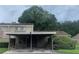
x=7, y=27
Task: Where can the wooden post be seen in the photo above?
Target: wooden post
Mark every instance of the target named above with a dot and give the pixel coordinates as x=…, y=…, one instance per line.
x=16, y=42
x=52, y=43
x=26, y=42
x=9, y=43
x=31, y=41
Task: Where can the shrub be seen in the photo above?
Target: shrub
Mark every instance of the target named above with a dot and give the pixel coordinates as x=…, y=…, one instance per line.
x=63, y=42
x=3, y=45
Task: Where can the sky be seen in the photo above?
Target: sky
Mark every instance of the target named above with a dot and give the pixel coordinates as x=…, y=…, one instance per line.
x=10, y=13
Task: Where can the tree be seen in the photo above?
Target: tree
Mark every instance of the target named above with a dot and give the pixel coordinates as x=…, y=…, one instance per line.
x=41, y=19
x=70, y=27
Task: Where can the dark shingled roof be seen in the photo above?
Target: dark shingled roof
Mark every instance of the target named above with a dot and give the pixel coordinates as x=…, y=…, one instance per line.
x=76, y=36
x=61, y=33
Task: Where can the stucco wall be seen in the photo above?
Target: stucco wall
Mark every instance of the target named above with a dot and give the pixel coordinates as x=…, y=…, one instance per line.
x=14, y=28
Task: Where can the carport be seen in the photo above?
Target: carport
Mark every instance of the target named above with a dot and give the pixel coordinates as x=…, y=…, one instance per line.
x=30, y=40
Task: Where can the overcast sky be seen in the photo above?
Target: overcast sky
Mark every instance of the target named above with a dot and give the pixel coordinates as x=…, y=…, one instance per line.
x=10, y=13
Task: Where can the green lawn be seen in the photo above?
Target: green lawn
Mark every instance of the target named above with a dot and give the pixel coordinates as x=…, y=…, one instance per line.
x=3, y=40
x=2, y=50
x=74, y=51
x=69, y=51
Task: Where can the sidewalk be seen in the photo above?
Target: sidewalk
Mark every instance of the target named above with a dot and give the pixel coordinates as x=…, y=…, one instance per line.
x=27, y=51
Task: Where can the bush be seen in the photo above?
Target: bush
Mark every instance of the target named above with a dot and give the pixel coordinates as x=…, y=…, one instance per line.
x=63, y=42
x=3, y=45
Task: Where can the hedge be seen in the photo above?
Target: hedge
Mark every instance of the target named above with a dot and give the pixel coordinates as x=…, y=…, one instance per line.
x=63, y=42
x=3, y=45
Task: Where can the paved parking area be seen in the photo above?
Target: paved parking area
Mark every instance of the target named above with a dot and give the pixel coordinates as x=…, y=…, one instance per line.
x=27, y=51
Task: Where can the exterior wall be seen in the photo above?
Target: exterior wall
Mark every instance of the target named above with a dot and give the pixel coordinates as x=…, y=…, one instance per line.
x=2, y=40
x=14, y=28
x=77, y=40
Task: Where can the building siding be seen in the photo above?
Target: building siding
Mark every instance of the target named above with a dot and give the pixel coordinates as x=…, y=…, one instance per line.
x=14, y=28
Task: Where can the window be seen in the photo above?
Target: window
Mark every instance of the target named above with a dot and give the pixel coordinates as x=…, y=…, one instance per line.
x=21, y=29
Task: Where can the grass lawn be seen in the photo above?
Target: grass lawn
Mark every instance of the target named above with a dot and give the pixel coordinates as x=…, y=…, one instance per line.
x=3, y=40
x=2, y=50
x=68, y=51
x=74, y=51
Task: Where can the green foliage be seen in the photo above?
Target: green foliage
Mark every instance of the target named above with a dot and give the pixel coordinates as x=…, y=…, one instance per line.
x=68, y=51
x=70, y=27
x=42, y=20
x=3, y=45
x=63, y=42
x=45, y=21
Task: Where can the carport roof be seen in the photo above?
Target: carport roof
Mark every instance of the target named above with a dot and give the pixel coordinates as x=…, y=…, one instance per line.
x=27, y=33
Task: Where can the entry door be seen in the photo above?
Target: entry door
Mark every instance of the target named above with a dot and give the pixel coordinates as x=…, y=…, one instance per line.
x=12, y=42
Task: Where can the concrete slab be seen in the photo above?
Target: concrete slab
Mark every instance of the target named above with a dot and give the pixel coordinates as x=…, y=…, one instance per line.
x=27, y=51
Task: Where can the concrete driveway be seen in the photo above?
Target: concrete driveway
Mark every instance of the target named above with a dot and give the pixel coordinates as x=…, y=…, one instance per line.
x=27, y=51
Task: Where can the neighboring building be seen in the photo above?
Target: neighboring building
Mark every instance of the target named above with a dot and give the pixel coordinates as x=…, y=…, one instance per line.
x=13, y=27
x=62, y=33
x=76, y=38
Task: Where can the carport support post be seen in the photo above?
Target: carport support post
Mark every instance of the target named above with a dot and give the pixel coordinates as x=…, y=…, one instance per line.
x=30, y=41
x=52, y=42
x=17, y=42
x=9, y=43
